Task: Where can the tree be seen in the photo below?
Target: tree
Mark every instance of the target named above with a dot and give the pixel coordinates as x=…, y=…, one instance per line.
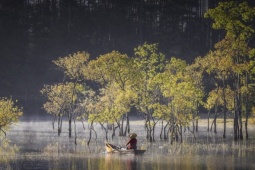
x=60, y=97
x=184, y=94
x=73, y=67
x=113, y=71
x=148, y=62
x=9, y=113
x=238, y=22
x=87, y=107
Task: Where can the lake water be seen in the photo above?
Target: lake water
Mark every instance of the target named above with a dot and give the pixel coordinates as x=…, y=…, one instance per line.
x=41, y=148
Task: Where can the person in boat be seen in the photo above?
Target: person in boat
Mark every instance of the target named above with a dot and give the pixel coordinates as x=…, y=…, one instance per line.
x=132, y=143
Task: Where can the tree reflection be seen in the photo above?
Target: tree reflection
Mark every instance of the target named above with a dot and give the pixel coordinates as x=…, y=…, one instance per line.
x=119, y=161
x=7, y=152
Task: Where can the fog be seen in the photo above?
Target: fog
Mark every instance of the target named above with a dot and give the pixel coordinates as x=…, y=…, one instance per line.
x=40, y=147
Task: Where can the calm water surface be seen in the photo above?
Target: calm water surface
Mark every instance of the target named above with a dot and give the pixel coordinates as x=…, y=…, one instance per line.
x=41, y=148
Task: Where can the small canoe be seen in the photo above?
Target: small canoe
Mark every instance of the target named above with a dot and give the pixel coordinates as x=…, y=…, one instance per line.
x=114, y=149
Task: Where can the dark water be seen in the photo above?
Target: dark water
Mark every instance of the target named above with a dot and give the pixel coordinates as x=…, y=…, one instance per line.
x=41, y=148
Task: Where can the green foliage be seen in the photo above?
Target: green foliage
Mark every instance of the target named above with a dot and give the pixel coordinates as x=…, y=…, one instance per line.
x=73, y=65
x=114, y=72
x=180, y=86
x=9, y=113
x=236, y=19
x=60, y=97
x=216, y=98
x=108, y=68
x=148, y=62
x=229, y=59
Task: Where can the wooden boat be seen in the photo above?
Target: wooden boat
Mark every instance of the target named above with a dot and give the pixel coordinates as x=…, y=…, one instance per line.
x=114, y=149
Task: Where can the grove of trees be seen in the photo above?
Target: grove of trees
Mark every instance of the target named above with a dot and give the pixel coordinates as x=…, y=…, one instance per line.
x=35, y=32
x=182, y=62
x=164, y=91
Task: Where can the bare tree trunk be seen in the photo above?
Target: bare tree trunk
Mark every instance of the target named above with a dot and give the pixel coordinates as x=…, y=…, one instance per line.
x=247, y=113
x=121, y=126
x=91, y=128
x=153, y=130
x=240, y=110
x=215, y=120
x=53, y=122
x=70, y=126
x=225, y=110
x=171, y=131
x=197, y=116
x=236, y=118
x=165, y=132
x=106, y=131
x=59, y=125
x=114, y=130
x=127, y=128
x=75, y=133
x=149, y=130
x=246, y=126
x=161, y=129
x=208, y=122
x=180, y=132
x=128, y=124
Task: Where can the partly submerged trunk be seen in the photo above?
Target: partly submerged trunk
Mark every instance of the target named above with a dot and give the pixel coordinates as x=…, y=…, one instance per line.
x=214, y=120
x=197, y=116
x=75, y=133
x=127, y=128
x=153, y=131
x=121, y=126
x=91, y=128
x=238, y=126
x=149, y=129
x=161, y=130
x=166, y=131
x=53, y=121
x=114, y=129
x=236, y=116
x=105, y=130
x=208, y=121
x=224, y=110
x=247, y=109
x=180, y=132
x=70, y=126
x=59, y=125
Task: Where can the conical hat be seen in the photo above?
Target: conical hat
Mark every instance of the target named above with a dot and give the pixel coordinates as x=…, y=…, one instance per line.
x=132, y=135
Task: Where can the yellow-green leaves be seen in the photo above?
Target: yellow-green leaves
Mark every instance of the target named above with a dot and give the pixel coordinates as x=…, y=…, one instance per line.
x=9, y=113
x=236, y=19
x=110, y=67
x=181, y=87
x=74, y=65
x=60, y=97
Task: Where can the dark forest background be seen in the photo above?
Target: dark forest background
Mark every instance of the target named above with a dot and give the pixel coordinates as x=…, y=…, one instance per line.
x=35, y=32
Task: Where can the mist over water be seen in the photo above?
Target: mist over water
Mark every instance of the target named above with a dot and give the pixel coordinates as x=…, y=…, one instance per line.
x=40, y=147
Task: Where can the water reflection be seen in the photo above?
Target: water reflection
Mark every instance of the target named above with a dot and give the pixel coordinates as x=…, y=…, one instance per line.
x=42, y=149
x=127, y=162
x=117, y=161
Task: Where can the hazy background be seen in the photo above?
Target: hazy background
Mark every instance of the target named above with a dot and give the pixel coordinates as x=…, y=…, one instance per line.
x=35, y=32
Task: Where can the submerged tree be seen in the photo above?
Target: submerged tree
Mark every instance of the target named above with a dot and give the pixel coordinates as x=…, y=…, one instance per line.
x=113, y=71
x=9, y=113
x=73, y=67
x=238, y=22
x=60, y=97
x=184, y=93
